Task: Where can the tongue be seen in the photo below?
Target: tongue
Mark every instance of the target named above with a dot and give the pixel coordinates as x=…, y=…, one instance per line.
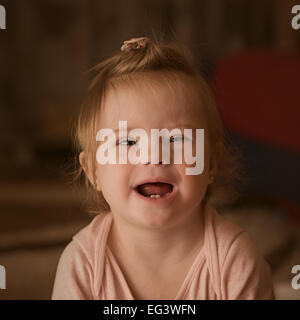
x=154, y=188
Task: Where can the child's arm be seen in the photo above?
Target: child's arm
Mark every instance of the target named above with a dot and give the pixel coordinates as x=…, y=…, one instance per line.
x=73, y=276
x=245, y=275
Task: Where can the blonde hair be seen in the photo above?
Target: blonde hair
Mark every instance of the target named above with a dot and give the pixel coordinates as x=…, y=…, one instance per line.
x=166, y=59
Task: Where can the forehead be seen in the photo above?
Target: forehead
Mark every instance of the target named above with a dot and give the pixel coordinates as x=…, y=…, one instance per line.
x=153, y=101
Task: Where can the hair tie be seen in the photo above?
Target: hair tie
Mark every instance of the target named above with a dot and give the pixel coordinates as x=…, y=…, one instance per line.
x=134, y=44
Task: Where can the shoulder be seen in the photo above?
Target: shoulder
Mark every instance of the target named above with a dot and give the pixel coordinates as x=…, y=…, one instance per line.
x=75, y=272
x=235, y=245
x=82, y=251
x=244, y=273
x=88, y=238
x=224, y=233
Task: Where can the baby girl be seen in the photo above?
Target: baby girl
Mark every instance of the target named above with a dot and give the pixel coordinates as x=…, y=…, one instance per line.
x=157, y=233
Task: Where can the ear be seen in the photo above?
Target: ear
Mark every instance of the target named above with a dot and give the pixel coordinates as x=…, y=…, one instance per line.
x=87, y=167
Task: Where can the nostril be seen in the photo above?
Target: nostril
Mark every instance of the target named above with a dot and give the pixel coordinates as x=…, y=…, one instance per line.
x=149, y=162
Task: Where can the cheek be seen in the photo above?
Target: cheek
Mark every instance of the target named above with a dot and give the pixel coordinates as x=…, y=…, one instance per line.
x=194, y=186
x=113, y=179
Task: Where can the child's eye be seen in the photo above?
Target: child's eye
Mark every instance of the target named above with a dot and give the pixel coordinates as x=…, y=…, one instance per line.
x=127, y=142
x=177, y=138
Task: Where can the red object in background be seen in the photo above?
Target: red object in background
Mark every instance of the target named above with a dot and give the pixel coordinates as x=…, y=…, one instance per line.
x=258, y=94
x=292, y=210
x=259, y=97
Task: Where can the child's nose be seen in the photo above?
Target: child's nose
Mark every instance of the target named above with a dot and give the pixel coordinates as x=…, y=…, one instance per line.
x=159, y=163
x=158, y=154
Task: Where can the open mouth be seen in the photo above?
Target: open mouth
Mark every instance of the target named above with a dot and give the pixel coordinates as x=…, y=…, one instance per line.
x=154, y=189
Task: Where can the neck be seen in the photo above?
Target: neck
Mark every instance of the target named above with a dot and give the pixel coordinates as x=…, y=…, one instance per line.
x=151, y=247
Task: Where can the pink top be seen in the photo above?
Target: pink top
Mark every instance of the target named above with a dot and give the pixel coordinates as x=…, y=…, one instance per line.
x=228, y=266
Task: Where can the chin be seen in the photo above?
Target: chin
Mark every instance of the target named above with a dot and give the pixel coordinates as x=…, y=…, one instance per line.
x=153, y=218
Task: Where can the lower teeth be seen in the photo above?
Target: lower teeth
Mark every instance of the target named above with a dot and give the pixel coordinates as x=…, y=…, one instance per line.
x=154, y=196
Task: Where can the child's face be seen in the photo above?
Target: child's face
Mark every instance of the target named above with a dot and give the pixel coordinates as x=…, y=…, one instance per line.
x=149, y=107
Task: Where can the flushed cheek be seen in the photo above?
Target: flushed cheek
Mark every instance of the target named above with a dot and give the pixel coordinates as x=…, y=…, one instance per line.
x=194, y=188
x=115, y=193
x=114, y=179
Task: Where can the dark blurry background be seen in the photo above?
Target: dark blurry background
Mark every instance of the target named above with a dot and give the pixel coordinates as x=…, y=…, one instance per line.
x=249, y=53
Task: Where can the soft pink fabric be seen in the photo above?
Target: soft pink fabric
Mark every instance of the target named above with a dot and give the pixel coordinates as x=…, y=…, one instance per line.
x=227, y=267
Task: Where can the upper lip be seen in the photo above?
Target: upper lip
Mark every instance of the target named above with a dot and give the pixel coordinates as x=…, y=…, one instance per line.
x=154, y=180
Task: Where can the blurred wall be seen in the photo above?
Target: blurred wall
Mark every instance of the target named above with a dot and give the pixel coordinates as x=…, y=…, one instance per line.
x=50, y=44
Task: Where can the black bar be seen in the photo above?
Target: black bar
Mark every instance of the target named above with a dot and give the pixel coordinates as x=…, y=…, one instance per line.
x=148, y=309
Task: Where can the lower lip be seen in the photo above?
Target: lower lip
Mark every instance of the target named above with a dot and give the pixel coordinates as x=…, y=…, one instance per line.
x=166, y=198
